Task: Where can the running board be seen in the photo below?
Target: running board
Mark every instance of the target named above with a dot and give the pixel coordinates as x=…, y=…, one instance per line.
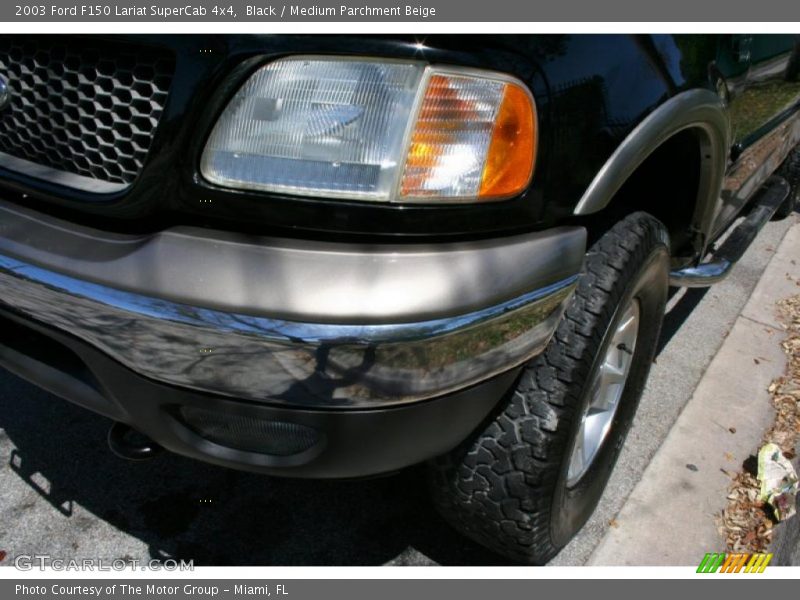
x=770, y=198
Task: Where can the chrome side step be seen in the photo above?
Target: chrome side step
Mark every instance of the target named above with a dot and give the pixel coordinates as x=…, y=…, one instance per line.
x=773, y=194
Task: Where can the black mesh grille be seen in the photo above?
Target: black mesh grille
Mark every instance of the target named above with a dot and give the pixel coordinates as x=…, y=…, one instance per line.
x=83, y=107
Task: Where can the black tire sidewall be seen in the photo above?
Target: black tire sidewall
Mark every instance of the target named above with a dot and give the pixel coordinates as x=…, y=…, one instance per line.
x=572, y=507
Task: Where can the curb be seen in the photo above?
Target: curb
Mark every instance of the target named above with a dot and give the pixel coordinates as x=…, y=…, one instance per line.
x=668, y=519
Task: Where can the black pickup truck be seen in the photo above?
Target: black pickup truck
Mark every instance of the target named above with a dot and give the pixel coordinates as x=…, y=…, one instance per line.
x=338, y=256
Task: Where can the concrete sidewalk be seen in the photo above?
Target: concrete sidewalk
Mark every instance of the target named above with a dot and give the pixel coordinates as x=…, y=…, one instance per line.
x=669, y=518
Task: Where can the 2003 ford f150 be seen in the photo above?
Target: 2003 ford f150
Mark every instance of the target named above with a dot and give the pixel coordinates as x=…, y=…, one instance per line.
x=337, y=256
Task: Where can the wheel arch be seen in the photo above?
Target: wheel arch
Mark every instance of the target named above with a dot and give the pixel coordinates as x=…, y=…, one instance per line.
x=700, y=113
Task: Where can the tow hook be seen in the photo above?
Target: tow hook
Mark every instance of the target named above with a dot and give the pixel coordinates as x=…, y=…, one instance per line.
x=129, y=444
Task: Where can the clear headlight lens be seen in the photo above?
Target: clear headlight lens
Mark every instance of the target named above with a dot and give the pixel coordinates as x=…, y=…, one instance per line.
x=372, y=130
x=315, y=127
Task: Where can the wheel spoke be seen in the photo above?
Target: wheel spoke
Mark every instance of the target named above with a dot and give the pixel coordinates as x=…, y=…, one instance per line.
x=629, y=321
x=605, y=393
x=595, y=424
x=613, y=374
x=576, y=463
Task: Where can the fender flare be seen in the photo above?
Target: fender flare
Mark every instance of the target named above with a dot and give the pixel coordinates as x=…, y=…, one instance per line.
x=700, y=110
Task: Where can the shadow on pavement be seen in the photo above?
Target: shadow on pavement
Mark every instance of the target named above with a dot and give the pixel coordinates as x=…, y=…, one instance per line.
x=678, y=314
x=186, y=509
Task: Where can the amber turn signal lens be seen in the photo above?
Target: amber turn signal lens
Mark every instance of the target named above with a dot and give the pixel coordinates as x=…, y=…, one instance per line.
x=512, y=151
x=474, y=139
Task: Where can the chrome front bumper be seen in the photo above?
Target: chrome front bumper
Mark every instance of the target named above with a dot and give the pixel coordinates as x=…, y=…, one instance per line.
x=317, y=355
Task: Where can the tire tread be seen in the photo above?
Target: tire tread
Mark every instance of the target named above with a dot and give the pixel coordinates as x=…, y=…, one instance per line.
x=496, y=487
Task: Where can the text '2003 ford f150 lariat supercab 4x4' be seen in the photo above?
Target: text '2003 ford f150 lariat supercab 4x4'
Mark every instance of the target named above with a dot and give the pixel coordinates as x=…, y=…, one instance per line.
x=338, y=256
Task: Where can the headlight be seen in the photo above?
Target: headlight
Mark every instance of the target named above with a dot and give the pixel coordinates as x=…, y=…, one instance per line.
x=375, y=130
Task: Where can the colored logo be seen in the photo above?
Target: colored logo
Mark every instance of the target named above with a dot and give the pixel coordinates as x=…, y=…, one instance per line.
x=720, y=562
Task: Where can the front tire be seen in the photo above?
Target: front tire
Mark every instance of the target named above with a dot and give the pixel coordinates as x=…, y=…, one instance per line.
x=513, y=486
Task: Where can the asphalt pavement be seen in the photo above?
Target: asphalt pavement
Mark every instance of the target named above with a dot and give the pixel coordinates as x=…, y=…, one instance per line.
x=63, y=493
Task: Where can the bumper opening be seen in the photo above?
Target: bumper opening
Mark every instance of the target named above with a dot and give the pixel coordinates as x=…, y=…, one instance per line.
x=249, y=433
x=46, y=350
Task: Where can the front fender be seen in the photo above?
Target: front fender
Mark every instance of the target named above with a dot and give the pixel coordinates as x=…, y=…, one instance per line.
x=700, y=110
